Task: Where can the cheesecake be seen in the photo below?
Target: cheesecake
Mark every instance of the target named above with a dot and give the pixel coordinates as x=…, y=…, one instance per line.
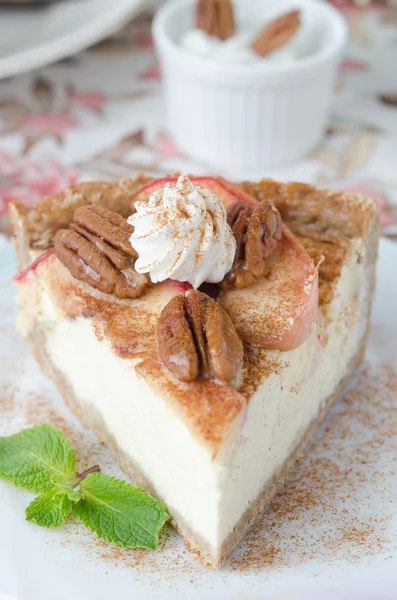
x=201, y=329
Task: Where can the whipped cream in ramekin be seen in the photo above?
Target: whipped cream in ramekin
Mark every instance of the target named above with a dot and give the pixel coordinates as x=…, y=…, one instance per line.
x=181, y=233
x=237, y=49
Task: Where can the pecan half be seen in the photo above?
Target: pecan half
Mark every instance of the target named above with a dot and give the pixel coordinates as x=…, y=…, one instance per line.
x=277, y=33
x=257, y=231
x=197, y=338
x=215, y=17
x=96, y=249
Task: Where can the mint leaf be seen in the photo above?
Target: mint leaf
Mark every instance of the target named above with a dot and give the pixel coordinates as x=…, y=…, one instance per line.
x=51, y=508
x=42, y=460
x=120, y=513
x=37, y=459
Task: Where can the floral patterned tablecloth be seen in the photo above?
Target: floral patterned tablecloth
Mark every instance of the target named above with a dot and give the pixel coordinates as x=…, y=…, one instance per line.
x=100, y=115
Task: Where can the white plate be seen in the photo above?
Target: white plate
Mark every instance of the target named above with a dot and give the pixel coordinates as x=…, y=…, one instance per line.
x=34, y=36
x=339, y=545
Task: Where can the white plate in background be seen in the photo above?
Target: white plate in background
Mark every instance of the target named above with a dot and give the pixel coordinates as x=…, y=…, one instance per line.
x=35, y=36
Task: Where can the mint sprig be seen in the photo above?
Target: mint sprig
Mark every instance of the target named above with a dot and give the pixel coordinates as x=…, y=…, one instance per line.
x=37, y=459
x=42, y=460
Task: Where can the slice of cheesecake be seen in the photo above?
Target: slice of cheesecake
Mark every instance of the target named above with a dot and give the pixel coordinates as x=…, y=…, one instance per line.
x=213, y=447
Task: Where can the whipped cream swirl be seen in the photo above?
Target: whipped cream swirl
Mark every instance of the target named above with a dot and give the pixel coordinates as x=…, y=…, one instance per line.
x=181, y=233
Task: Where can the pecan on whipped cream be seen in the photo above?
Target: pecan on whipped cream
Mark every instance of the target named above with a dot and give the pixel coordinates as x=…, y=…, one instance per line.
x=277, y=33
x=182, y=233
x=215, y=17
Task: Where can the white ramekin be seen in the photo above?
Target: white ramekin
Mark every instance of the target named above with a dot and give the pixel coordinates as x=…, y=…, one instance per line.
x=241, y=118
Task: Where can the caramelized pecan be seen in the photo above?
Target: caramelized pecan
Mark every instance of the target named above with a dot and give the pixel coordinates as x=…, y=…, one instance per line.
x=277, y=33
x=197, y=338
x=257, y=231
x=96, y=249
x=215, y=17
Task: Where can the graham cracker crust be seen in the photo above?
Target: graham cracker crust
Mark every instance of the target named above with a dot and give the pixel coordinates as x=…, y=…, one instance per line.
x=92, y=419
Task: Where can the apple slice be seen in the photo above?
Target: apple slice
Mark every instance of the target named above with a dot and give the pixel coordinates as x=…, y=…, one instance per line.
x=227, y=192
x=22, y=275
x=279, y=311
x=180, y=287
